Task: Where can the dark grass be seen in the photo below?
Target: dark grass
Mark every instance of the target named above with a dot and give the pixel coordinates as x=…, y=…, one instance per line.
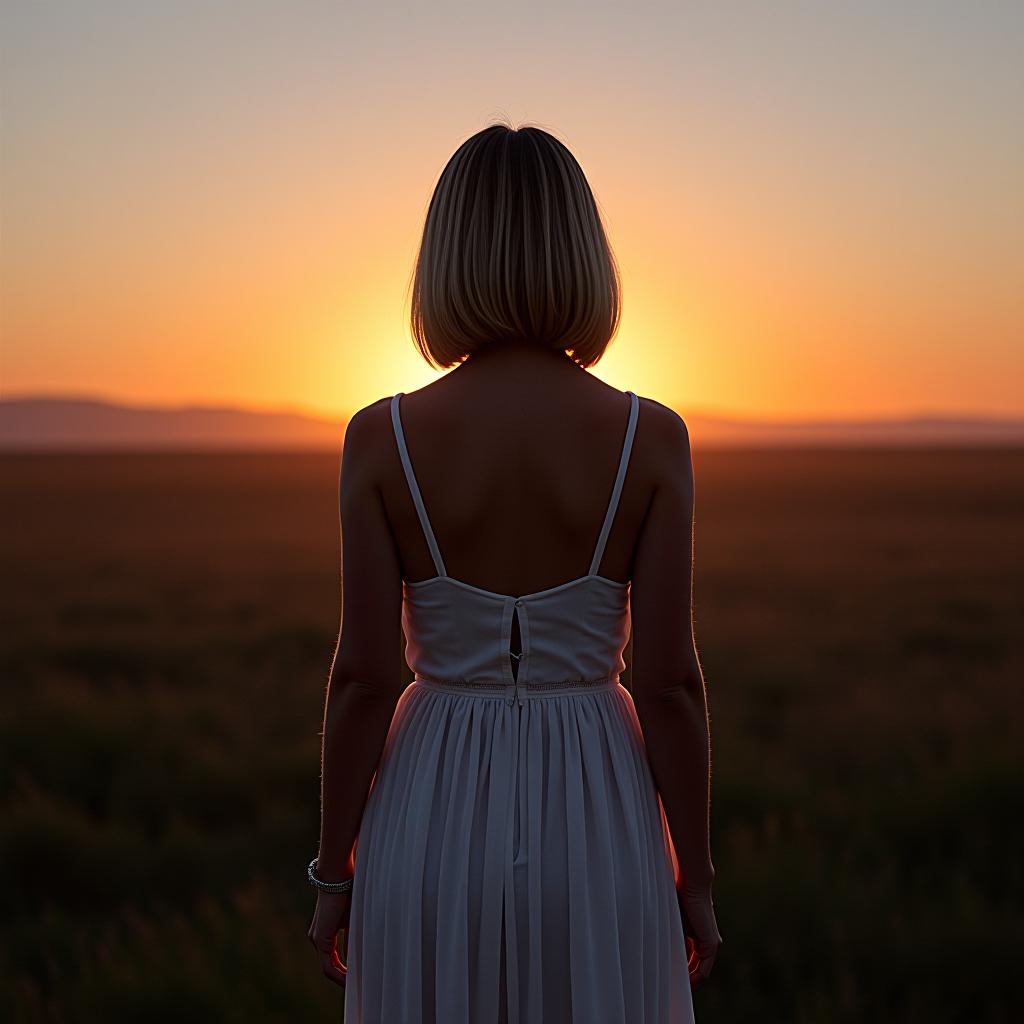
x=169, y=622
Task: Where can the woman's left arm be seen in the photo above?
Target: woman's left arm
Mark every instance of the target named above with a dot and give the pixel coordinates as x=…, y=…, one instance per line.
x=366, y=678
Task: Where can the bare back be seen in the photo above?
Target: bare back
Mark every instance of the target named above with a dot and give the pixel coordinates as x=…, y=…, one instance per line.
x=516, y=453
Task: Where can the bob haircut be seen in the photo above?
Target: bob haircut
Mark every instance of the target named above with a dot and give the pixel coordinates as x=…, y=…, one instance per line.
x=514, y=248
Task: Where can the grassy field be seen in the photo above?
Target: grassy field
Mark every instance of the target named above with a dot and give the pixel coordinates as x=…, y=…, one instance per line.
x=168, y=626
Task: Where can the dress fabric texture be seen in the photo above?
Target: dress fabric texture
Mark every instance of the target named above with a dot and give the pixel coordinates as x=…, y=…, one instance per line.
x=514, y=863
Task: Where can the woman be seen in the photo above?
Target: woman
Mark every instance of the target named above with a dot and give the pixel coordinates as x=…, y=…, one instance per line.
x=532, y=837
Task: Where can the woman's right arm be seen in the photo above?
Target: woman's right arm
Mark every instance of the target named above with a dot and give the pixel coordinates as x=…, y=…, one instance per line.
x=666, y=681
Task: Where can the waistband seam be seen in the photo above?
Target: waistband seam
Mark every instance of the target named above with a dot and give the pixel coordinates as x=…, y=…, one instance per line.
x=500, y=687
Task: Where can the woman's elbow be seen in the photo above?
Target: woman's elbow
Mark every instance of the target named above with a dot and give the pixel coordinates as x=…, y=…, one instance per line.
x=351, y=691
x=686, y=686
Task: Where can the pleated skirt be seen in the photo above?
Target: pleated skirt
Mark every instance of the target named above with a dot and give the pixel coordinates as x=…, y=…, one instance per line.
x=514, y=865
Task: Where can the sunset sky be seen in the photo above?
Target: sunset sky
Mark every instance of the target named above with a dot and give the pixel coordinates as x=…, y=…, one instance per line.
x=817, y=208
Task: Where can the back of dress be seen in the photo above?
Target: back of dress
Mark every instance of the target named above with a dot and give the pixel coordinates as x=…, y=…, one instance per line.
x=513, y=862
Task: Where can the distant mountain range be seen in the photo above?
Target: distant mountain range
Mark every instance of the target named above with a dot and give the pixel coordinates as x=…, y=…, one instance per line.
x=37, y=423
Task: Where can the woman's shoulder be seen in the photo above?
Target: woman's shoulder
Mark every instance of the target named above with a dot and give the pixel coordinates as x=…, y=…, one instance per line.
x=368, y=431
x=662, y=422
x=663, y=452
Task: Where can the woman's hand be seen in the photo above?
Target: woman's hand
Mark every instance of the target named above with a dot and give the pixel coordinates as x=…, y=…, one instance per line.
x=331, y=915
x=701, y=930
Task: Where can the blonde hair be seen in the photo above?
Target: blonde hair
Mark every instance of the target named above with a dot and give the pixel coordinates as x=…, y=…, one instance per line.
x=514, y=248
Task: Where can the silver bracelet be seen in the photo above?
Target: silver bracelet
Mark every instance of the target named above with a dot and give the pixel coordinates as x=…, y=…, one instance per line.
x=342, y=886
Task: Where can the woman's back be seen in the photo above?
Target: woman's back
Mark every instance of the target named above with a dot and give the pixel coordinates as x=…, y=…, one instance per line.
x=516, y=454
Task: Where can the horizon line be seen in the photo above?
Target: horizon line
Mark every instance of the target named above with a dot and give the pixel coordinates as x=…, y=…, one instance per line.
x=311, y=412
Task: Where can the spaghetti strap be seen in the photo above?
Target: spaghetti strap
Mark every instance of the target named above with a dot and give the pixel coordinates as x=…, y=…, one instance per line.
x=613, y=503
x=414, y=488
